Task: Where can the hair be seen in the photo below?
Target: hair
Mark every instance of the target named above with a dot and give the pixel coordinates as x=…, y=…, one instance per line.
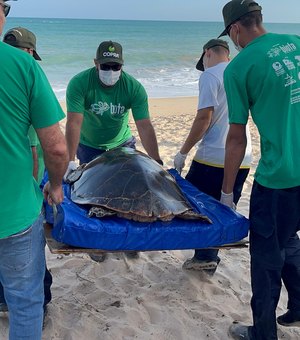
x=220, y=50
x=251, y=19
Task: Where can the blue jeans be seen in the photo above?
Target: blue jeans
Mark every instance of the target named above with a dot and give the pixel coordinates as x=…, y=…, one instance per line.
x=275, y=255
x=47, y=289
x=209, y=180
x=22, y=270
x=86, y=153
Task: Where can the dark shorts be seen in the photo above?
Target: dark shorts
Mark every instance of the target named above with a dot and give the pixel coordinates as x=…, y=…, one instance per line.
x=275, y=254
x=209, y=180
x=274, y=219
x=86, y=153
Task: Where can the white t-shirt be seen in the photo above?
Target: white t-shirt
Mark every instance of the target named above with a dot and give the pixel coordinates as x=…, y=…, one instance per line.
x=211, y=148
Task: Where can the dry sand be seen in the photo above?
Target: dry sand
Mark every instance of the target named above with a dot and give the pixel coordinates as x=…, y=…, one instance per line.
x=152, y=297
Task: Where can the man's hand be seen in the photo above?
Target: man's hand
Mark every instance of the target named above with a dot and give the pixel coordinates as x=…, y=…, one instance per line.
x=179, y=161
x=53, y=195
x=227, y=199
x=71, y=167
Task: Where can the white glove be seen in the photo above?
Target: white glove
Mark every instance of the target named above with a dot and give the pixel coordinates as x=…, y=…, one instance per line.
x=227, y=199
x=71, y=167
x=179, y=161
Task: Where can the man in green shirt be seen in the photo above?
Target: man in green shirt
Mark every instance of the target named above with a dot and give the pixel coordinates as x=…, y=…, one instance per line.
x=26, y=99
x=25, y=40
x=265, y=79
x=98, y=104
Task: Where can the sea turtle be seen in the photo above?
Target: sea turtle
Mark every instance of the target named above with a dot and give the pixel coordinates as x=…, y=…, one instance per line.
x=128, y=183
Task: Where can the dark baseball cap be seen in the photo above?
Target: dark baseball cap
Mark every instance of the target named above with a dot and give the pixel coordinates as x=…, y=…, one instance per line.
x=235, y=9
x=21, y=37
x=109, y=52
x=211, y=43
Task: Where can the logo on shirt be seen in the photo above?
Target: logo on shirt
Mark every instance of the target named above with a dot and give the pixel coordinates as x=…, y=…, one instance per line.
x=289, y=80
x=278, y=68
x=277, y=49
x=289, y=64
x=288, y=48
x=100, y=107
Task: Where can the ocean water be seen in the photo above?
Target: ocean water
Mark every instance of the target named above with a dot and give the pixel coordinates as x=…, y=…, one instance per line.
x=161, y=54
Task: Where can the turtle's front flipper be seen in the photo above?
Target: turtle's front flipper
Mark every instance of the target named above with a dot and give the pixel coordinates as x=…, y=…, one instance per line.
x=74, y=175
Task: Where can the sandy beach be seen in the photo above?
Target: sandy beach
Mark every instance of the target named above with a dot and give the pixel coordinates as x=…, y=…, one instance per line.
x=152, y=297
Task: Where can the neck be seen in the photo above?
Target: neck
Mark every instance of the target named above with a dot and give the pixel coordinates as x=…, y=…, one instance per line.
x=217, y=60
x=252, y=34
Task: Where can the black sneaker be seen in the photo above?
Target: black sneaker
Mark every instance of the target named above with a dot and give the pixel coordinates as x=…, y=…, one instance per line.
x=208, y=267
x=98, y=257
x=131, y=254
x=289, y=319
x=239, y=332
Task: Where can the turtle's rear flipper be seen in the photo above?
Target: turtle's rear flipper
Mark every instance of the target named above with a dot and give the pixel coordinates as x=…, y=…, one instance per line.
x=100, y=212
x=192, y=215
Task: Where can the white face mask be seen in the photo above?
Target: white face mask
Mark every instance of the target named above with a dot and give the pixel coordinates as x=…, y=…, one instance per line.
x=110, y=77
x=205, y=61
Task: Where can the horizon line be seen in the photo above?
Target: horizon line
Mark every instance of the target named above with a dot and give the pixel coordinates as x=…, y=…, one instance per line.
x=153, y=20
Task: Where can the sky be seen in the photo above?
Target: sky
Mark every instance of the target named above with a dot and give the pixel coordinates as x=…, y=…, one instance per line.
x=284, y=11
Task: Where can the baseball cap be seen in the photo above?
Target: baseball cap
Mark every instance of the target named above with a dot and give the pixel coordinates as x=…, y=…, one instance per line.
x=211, y=43
x=109, y=52
x=21, y=37
x=235, y=9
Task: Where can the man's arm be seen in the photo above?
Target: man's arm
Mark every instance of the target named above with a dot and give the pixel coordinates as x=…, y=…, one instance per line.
x=200, y=125
x=33, y=143
x=73, y=127
x=234, y=153
x=148, y=138
x=35, y=162
x=56, y=159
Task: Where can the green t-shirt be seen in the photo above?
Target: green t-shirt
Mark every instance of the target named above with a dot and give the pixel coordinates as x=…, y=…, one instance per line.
x=106, y=109
x=34, y=142
x=26, y=99
x=265, y=78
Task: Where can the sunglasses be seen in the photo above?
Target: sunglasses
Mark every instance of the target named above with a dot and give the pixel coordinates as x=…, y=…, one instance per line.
x=107, y=67
x=5, y=8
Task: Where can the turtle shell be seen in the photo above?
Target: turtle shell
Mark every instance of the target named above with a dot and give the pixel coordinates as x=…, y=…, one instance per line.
x=129, y=183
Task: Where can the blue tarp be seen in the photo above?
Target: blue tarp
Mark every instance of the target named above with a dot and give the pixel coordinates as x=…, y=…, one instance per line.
x=72, y=226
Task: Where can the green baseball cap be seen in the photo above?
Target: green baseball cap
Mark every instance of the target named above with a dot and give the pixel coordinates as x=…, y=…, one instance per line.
x=109, y=52
x=21, y=37
x=235, y=9
x=211, y=43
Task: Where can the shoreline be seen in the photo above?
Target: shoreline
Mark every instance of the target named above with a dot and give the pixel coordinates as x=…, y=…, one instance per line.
x=166, y=105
